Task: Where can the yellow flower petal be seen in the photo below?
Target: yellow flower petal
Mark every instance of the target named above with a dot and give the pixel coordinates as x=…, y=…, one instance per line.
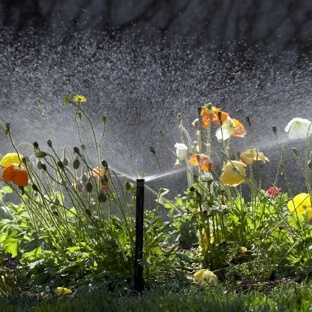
x=233, y=173
x=78, y=98
x=252, y=154
x=300, y=204
x=11, y=158
x=205, y=275
x=63, y=291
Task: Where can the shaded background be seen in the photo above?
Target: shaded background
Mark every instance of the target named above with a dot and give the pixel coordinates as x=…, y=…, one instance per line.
x=143, y=62
x=228, y=25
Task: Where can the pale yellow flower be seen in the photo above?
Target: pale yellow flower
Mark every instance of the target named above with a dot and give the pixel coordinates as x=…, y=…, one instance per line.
x=78, y=98
x=252, y=154
x=63, y=291
x=205, y=275
x=11, y=158
x=300, y=204
x=233, y=173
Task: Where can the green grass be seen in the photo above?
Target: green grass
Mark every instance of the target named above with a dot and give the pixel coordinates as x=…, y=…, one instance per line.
x=213, y=297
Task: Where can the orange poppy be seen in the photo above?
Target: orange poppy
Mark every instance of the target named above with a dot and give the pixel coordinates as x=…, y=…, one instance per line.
x=16, y=174
x=101, y=176
x=201, y=160
x=213, y=114
x=240, y=130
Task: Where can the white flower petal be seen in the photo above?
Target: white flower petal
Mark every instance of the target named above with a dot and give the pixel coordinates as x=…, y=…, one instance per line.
x=299, y=128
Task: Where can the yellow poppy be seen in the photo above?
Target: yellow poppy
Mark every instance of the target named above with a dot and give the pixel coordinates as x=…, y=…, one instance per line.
x=63, y=291
x=300, y=204
x=78, y=98
x=233, y=173
x=11, y=158
x=205, y=275
x=252, y=154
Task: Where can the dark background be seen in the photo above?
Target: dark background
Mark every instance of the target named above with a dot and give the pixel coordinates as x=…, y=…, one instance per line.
x=227, y=25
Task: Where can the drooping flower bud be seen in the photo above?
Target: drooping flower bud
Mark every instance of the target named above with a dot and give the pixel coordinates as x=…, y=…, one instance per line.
x=41, y=154
x=76, y=163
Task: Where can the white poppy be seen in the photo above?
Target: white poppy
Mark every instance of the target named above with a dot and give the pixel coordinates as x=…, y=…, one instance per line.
x=299, y=128
x=181, y=152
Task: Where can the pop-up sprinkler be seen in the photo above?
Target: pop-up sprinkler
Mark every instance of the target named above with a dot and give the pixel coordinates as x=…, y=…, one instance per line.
x=138, y=267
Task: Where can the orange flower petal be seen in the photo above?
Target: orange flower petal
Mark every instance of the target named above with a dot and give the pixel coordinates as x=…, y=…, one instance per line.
x=201, y=160
x=240, y=130
x=7, y=173
x=15, y=173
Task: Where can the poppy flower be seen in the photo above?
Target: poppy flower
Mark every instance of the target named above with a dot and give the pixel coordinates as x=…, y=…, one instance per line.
x=230, y=128
x=63, y=291
x=78, y=98
x=233, y=173
x=203, y=161
x=300, y=204
x=252, y=154
x=299, y=128
x=205, y=275
x=16, y=174
x=11, y=158
x=273, y=191
x=213, y=114
x=101, y=176
x=181, y=152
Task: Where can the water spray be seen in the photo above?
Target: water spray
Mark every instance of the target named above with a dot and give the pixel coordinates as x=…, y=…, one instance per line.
x=138, y=266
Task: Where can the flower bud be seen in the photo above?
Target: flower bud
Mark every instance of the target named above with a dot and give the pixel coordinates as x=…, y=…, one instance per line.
x=76, y=150
x=41, y=154
x=102, y=198
x=89, y=187
x=76, y=163
x=36, y=145
x=65, y=161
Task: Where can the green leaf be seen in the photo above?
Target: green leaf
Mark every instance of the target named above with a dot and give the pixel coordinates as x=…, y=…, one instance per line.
x=11, y=245
x=32, y=255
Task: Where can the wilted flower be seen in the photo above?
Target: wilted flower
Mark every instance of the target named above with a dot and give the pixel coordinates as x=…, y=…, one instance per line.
x=201, y=160
x=78, y=98
x=11, y=158
x=210, y=113
x=230, y=128
x=63, y=291
x=299, y=128
x=233, y=173
x=205, y=275
x=181, y=152
x=203, y=240
x=252, y=154
x=300, y=204
x=273, y=191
